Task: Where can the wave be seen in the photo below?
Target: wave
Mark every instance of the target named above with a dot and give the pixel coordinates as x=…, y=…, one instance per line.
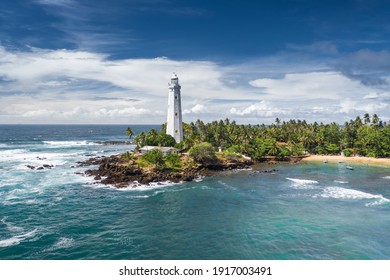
x=139, y=196
x=63, y=243
x=199, y=178
x=350, y=194
x=226, y=185
x=303, y=183
x=341, y=182
x=15, y=240
x=11, y=227
x=386, y=177
x=135, y=186
x=63, y=144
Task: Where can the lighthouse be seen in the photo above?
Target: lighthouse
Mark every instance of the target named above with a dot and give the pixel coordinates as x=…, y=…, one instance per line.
x=174, y=119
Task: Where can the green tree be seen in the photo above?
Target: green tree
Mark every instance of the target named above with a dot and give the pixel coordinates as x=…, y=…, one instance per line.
x=165, y=140
x=173, y=162
x=155, y=157
x=203, y=153
x=140, y=139
x=129, y=132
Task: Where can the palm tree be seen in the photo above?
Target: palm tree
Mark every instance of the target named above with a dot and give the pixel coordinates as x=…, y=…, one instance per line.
x=366, y=118
x=129, y=132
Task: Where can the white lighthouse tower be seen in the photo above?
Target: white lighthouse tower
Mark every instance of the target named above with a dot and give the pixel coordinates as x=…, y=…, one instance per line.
x=174, y=119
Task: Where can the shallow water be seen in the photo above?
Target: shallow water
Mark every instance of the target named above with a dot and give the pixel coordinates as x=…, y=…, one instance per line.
x=303, y=211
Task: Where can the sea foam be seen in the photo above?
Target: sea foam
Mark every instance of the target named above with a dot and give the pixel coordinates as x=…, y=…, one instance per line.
x=11, y=227
x=303, y=183
x=63, y=243
x=135, y=186
x=341, y=182
x=64, y=144
x=15, y=240
x=350, y=194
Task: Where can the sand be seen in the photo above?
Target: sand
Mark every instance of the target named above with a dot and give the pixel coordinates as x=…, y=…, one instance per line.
x=361, y=160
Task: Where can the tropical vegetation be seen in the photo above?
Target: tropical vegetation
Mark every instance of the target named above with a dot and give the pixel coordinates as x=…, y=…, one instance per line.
x=366, y=136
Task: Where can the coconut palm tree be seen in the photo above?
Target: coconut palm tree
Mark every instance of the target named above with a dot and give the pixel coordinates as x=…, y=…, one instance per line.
x=129, y=132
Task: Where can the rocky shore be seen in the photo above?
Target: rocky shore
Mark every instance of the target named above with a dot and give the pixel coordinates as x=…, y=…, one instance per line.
x=114, y=171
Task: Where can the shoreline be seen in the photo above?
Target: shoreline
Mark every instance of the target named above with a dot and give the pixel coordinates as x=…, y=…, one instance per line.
x=384, y=162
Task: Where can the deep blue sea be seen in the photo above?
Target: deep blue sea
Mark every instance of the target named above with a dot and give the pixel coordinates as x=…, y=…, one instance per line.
x=303, y=211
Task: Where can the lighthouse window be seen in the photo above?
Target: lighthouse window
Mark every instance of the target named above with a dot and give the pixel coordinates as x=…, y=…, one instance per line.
x=176, y=114
x=176, y=131
x=175, y=96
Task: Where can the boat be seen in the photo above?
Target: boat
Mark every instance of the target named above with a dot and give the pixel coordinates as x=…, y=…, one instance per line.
x=325, y=161
x=349, y=167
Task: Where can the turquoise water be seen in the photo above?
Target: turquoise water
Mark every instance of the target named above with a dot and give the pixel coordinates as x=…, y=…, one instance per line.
x=303, y=211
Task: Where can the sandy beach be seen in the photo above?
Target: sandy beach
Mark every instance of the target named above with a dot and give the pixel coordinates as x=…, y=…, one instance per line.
x=361, y=160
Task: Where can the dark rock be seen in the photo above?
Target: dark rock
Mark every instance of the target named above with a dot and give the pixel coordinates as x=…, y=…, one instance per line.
x=40, y=168
x=49, y=166
x=31, y=167
x=120, y=174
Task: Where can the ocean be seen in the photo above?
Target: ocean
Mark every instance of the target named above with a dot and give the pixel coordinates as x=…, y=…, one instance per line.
x=307, y=211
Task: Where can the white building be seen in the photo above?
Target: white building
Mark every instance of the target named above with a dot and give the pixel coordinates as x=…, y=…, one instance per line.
x=174, y=119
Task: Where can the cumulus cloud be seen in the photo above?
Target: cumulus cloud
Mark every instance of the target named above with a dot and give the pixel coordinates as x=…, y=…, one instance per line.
x=74, y=86
x=197, y=109
x=260, y=109
x=351, y=106
x=330, y=85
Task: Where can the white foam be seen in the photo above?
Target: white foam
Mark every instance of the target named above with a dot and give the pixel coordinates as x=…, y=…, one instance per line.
x=63, y=243
x=386, y=177
x=341, y=182
x=350, y=194
x=64, y=144
x=303, y=183
x=25, y=157
x=199, y=178
x=227, y=185
x=10, y=226
x=139, y=196
x=5, y=182
x=135, y=186
x=15, y=240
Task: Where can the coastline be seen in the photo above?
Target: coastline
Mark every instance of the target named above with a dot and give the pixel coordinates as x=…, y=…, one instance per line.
x=355, y=159
x=116, y=171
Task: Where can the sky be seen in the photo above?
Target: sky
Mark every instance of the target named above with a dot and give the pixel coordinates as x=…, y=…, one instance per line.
x=109, y=62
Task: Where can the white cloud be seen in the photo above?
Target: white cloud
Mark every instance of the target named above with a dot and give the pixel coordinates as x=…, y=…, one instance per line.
x=197, y=109
x=371, y=95
x=330, y=85
x=73, y=86
x=261, y=109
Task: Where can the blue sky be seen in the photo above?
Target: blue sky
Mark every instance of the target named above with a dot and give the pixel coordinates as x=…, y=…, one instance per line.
x=84, y=61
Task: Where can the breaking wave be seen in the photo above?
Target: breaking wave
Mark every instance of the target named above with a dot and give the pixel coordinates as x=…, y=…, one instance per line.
x=15, y=240
x=63, y=243
x=64, y=144
x=303, y=183
x=350, y=194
